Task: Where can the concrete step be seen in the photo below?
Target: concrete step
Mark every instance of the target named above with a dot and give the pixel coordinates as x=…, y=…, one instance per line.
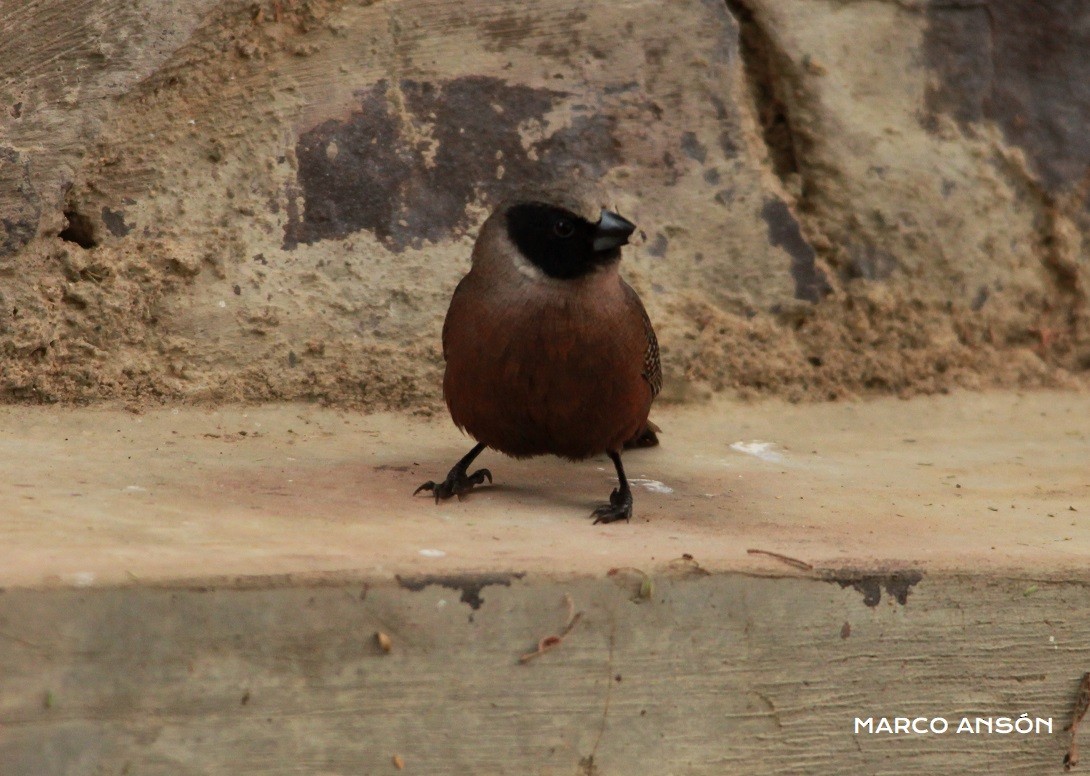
x=199, y=591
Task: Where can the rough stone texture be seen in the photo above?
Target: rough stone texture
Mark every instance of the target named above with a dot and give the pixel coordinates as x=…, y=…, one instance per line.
x=935, y=155
x=223, y=200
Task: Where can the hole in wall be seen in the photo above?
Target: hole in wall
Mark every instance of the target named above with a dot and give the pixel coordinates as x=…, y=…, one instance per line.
x=80, y=230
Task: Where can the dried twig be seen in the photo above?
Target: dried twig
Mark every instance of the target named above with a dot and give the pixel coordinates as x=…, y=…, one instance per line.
x=1082, y=704
x=588, y=761
x=551, y=642
x=794, y=562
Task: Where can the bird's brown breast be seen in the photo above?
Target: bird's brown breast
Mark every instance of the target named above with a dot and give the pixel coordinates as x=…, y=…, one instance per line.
x=540, y=368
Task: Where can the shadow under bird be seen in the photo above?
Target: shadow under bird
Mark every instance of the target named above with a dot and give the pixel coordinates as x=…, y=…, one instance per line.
x=548, y=350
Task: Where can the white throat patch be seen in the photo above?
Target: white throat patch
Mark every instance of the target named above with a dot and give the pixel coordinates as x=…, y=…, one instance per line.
x=526, y=267
x=531, y=271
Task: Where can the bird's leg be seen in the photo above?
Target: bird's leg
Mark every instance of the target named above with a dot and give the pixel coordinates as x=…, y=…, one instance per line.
x=457, y=481
x=620, y=500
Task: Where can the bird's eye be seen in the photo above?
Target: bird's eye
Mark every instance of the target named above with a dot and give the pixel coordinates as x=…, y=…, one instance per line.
x=563, y=228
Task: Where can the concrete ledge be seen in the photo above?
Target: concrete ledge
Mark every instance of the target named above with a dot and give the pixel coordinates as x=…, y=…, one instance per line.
x=971, y=483
x=717, y=674
x=182, y=597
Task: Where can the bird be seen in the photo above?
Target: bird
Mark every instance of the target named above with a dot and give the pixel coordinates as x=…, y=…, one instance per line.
x=548, y=350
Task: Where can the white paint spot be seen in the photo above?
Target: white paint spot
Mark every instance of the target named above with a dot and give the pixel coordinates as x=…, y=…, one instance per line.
x=429, y=553
x=763, y=450
x=652, y=485
x=81, y=578
x=135, y=489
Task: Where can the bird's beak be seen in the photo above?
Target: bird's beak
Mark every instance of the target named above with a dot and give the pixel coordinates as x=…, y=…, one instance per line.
x=612, y=232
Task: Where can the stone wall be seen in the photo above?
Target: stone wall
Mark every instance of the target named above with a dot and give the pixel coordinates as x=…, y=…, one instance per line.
x=273, y=200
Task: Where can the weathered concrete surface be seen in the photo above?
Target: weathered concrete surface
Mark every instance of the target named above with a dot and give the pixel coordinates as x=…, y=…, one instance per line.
x=236, y=200
x=718, y=675
x=196, y=591
x=981, y=483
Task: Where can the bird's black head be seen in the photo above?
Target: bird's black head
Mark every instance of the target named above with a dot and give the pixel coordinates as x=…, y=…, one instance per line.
x=562, y=244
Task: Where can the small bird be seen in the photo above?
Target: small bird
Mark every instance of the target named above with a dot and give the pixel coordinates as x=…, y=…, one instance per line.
x=548, y=350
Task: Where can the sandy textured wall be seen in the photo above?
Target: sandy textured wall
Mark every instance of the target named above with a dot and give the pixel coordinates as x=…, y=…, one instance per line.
x=259, y=200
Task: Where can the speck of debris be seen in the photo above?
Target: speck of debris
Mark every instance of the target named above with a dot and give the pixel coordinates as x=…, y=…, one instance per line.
x=845, y=630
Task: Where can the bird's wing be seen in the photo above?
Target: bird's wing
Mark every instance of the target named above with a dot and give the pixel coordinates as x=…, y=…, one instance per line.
x=652, y=369
x=446, y=321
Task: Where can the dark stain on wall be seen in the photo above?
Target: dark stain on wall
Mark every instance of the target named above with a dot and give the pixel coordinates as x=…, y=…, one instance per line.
x=407, y=174
x=784, y=232
x=1024, y=66
x=20, y=205
x=115, y=222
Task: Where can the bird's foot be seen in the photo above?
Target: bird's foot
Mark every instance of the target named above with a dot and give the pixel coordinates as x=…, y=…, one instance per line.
x=618, y=508
x=457, y=483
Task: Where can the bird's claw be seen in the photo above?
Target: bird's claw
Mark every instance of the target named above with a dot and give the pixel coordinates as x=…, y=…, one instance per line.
x=456, y=484
x=618, y=508
x=429, y=485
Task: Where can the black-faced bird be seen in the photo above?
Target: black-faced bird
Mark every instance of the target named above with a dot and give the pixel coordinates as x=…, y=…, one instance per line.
x=548, y=350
